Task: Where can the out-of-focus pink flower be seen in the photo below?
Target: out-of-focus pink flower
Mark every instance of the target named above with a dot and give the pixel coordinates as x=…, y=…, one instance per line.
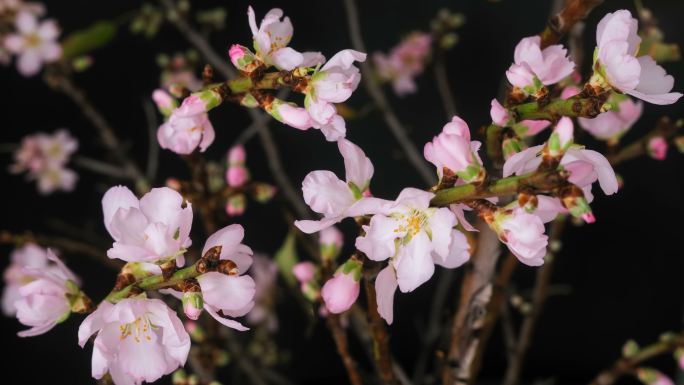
x=452, y=149
x=42, y=299
x=154, y=228
x=650, y=376
x=271, y=39
x=165, y=102
x=501, y=117
x=137, y=340
x=404, y=62
x=657, y=147
x=548, y=66
x=611, y=125
x=617, y=64
x=264, y=271
x=331, y=241
x=523, y=233
x=304, y=272
x=28, y=256
x=415, y=237
x=237, y=174
x=335, y=199
x=236, y=205
x=341, y=291
x=34, y=43
x=44, y=157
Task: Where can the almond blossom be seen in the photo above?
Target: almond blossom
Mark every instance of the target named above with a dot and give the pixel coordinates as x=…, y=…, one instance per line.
x=612, y=124
x=333, y=83
x=188, y=127
x=404, y=62
x=155, y=228
x=616, y=63
x=229, y=295
x=523, y=233
x=534, y=67
x=453, y=150
x=414, y=237
x=137, y=340
x=43, y=298
x=335, y=199
x=43, y=157
x=271, y=39
x=34, y=43
x=264, y=271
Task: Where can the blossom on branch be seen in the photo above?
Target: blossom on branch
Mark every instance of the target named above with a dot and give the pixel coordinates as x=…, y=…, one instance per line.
x=34, y=43
x=534, y=67
x=612, y=124
x=453, y=151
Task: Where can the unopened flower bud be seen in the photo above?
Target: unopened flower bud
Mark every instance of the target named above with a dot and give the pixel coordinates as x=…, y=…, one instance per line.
x=573, y=199
x=511, y=146
x=236, y=205
x=243, y=59
x=630, y=349
x=657, y=148
x=192, y=304
x=164, y=101
x=341, y=291
x=650, y=376
x=290, y=114
x=561, y=138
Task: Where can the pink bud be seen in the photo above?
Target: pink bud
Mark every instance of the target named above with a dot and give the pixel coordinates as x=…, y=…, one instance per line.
x=291, y=115
x=569, y=92
x=236, y=52
x=498, y=113
x=340, y=292
x=236, y=176
x=173, y=183
x=589, y=217
x=657, y=148
x=236, y=205
x=331, y=236
x=165, y=103
x=304, y=271
x=192, y=305
x=564, y=129
x=237, y=155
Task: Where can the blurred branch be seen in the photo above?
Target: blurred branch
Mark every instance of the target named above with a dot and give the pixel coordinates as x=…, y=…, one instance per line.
x=64, y=84
x=378, y=97
x=665, y=128
x=100, y=167
x=381, y=350
x=258, y=118
x=340, y=338
x=626, y=365
x=539, y=295
x=442, y=80
x=559, y=25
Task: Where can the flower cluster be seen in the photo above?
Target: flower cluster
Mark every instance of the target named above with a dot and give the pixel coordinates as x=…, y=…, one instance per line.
x=44, y=157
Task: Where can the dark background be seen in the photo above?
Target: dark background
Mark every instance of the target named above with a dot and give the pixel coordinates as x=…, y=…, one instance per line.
x=624, y=273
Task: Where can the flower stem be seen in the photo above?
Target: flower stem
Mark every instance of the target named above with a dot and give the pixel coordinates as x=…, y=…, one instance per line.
x=154, y=282
x=587, y=107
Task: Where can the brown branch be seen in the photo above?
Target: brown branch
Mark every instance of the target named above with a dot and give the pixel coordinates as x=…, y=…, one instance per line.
x=340, y=337
x=381, y=350
x=625, y=365
x=559, y=25
x=442, y=80
x=539, y=295
x=665, y=128
x=378, y=97
x=469, y=317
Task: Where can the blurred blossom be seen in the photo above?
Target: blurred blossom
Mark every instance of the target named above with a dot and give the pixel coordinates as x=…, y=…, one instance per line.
x=405, y=62
x=34, y=43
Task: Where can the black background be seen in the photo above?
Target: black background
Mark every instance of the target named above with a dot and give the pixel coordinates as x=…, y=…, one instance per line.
x=624, y=273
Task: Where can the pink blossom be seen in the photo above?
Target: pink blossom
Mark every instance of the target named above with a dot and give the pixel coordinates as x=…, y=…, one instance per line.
x=271, y=39
x=331, y=237
x=183, y=134
x=29, y=256
x=335, y=199
x=156, y=227
x=452, y=149
x=137, y=340
x=334, y=83
x=290, y=114
x=642, y=77
x=404, y=62
x=657, y=147
x=549, y=65
x=341, y=291
x=35, y=43
x=237, y=174
x=561, y=137
x=44, y=157
x=569, y=92
x=501, y=117
x=42, y=301
x=611, y=125
x=230, y=295
x=165, y=102
x=264, y=271
x=523, y=233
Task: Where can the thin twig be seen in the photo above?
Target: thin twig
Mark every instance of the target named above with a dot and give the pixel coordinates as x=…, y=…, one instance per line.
x=442, y=80
x=378, y=96
x=626, y=365
x=105, y=131
x=340, y=338
x=255, y=375
x=246, y=135
x=541, y=286
x=381, y=350
x=100, y=167
x=559, y=25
